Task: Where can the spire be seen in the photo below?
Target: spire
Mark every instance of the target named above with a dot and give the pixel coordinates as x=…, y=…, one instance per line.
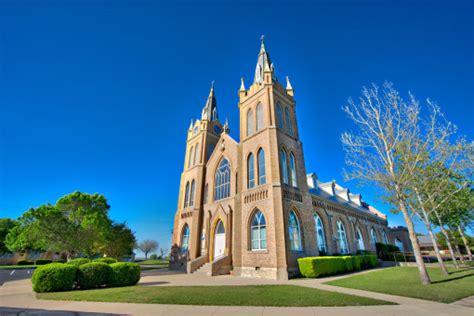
x=264, y=63
x=209, y=112
x=225, y=128
x=242, y=85
x=289, y=88
x=191, y=125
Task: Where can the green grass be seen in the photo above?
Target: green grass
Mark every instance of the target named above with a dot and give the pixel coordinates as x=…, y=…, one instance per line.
x=257, y=295
x=154, y=262
x=405, y=281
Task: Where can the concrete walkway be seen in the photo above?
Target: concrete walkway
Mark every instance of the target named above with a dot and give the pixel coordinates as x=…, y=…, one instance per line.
x=17, y=298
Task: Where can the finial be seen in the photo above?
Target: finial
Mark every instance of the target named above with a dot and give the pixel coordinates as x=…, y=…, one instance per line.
x=288, y=84
x=225, y=128
x=212, y=85
x=191, y=125
x=262, y=46
x=242, y=85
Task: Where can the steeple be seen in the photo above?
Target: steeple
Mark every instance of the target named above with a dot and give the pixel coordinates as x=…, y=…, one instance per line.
x=264, y=64
x=289, y=88
x=209, y=112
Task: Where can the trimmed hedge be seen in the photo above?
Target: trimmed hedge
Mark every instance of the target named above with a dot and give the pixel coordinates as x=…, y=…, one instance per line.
x=25, y=262
x=79, y=261
x=93, y=274
x=314, y=267
x=40, y=262
x=54, y=277
x=106, y=260
x=124, y=273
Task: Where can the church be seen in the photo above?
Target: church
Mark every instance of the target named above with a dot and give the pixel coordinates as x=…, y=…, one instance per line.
x=250, y=208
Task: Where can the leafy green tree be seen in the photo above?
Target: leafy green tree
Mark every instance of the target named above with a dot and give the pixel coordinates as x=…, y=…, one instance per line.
x=6, y=224
x=77, y=224
x=120, y=241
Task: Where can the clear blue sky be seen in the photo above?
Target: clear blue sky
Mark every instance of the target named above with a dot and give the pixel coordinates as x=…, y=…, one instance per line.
x=97, y=95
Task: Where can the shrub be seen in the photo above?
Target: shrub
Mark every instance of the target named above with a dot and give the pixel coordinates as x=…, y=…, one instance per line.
x=40, y=262
x=93, y=274
x=106, y=260
x=385, y=251
x=124, y=273
x=154, y=256
x=54, y=277
x=25, y=262
x=313, y=267
x=60, y=261
x=79, y=261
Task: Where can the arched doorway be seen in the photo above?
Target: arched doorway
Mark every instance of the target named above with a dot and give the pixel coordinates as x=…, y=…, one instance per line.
x=219, y=240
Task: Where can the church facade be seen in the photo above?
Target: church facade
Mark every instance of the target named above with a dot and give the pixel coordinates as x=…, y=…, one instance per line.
x=249, y=208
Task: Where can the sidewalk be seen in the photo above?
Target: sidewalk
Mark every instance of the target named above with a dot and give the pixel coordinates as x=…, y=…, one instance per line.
x=17, y=297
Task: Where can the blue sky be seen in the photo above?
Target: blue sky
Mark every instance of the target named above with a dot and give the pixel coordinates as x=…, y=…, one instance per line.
x=97, y=95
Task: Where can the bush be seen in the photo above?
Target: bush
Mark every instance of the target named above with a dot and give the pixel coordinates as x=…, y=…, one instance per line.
x=54, y=277
x=154, y=256
x=313, y=267
x=40, y=262
x=25, y=262
x=93, y=274
x=79, y=261
x=60, y=261
x=106, y=260
x=385, y=251
x=124, y=273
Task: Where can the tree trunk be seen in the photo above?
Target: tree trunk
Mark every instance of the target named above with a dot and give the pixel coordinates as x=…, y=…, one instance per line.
x=464, y=240
x=448, y=241
x=461, y=257
x=434, y=241
x=425, y=278
x=146, y=255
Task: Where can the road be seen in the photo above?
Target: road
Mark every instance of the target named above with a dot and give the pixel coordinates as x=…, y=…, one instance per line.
x=15, y=274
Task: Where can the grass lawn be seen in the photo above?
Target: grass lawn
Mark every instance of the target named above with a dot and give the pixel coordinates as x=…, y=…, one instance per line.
x=154, y=262
x=257, y=295
x=405, y=281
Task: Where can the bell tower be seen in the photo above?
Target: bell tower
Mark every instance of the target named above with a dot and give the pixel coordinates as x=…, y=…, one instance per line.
x=203, y=134
x=269, y=132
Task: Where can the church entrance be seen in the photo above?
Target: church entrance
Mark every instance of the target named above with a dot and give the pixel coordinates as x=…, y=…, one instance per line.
x=219, y=240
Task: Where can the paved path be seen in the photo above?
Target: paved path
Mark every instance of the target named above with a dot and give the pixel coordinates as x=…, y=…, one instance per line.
x=18, y=295
x=7, y=275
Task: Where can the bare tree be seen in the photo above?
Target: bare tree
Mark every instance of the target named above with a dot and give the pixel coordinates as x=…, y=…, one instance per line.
x=146, y=246
x=163, y=252
x=386, y=124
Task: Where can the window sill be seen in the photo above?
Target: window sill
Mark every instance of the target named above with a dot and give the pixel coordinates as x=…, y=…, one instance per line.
x=263, y=251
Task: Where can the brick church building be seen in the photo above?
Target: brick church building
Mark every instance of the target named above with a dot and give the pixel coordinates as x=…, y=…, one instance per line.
x=249, y=208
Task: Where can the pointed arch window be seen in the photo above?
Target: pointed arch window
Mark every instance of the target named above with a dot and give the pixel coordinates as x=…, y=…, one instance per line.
x=341, y=234
x=249, y=122
x=250, y=171
x=222, y=181
x=258, y=231
x=191, y=157
x=321, y=239
x=197, y=154
x=384, y=237
x=279, y=116
x=399, y=244
x=261, y=167
x=205, y=193
x=360, y=240
x=186, y=195
x=185, y=239
x=289, y=127
x=373, y=236
x=259, y=114
x=294, y=232
x=191, y=195
x=284, y=166
x=294, y=180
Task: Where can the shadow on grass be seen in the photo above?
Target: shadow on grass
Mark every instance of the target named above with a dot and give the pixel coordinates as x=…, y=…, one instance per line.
x=452, y=279
x=153, y=283
x=460, y=270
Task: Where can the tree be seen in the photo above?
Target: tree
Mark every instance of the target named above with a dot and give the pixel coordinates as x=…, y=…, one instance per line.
x=120, y=241
x=163, y=252
x=147, y=246
x=78, y=224
x=6, y=224
x=388, y=147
